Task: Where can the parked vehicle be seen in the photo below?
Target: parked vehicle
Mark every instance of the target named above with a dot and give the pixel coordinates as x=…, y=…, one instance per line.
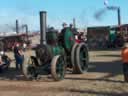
x=10, y=41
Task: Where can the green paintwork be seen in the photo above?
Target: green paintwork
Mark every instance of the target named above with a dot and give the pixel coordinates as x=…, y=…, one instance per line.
x=112, y=35
x=51, y=38
x=69, y=39
x=53, y=46
x=57, y=50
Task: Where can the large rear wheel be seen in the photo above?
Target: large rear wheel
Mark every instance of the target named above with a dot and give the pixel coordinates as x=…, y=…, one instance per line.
x=82, y=58
x=73, y=55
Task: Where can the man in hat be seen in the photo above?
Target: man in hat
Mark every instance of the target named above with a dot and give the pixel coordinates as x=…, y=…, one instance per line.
x=1, y=47
x=61, y=35
x=73, y=29
x=124, y=55
x=64, y=25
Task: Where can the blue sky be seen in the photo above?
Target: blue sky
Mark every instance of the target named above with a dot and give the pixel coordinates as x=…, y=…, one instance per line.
x=27, y=11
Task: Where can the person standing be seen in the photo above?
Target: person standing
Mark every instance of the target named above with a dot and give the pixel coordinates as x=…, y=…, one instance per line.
x=1, y=64
x=4, y=62
x=1, y=47
x=124, y=55
x=61, y=35
x=64, y=25
x=73, y=29
x=24, y=46
x=19, y=57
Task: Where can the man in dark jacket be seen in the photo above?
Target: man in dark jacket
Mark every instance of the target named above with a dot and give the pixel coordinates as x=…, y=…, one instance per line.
x=73, y=29
x=19, y=57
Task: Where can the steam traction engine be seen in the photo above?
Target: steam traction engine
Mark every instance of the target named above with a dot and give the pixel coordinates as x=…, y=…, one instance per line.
x=56, y=53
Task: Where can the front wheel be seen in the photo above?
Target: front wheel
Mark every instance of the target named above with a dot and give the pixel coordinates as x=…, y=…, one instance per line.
x=29, y=69
x=58, y=68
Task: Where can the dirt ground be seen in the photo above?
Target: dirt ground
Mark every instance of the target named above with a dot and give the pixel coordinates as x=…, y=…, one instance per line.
x=104, y=78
